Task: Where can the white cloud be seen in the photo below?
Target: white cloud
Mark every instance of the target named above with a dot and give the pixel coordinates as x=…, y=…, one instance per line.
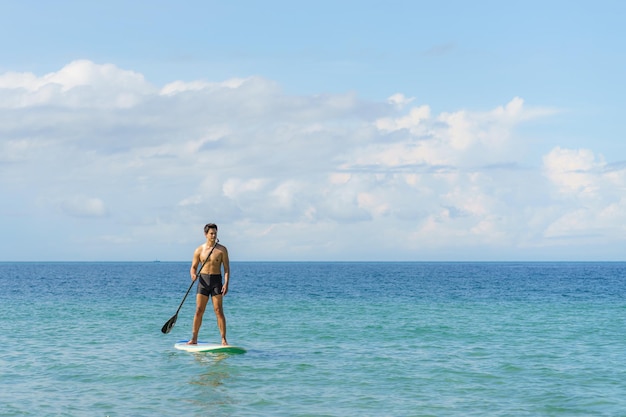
x=411, y=122
x=400, y=100
x=80, y=84
x=177, y=87
x=591, y=194
x=573, y=170
x=320, y=175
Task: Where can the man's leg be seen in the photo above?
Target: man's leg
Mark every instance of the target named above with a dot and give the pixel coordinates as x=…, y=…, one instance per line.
x=219, y=314
x=201, y=302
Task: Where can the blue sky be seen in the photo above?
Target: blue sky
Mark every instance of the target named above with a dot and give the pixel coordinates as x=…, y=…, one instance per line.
x=344, y=130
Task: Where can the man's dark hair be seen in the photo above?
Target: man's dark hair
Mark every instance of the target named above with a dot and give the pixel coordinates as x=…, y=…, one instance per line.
x=209, y=226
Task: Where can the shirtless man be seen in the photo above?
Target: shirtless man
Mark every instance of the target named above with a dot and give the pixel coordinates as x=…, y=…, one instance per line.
x=210, y=284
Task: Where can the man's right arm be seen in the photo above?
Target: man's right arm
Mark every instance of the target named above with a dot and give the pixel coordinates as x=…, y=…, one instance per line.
x=194, y=265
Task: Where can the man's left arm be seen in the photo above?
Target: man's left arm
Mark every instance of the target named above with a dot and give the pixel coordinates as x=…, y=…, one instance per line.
x=226, y=264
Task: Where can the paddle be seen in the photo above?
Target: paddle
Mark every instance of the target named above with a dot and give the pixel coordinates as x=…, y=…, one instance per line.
x=171, y=322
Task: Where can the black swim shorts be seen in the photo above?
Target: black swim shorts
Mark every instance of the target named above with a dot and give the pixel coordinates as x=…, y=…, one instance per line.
x=210, y=284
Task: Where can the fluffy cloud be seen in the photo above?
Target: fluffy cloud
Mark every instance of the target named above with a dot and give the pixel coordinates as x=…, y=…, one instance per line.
x=574, y=171
x=286, y=176
x=79, y=85
x=591, y=192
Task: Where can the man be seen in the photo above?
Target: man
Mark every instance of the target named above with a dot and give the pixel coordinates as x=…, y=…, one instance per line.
x=210, y=284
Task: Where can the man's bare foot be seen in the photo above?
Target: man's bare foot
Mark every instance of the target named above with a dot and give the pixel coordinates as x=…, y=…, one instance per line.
x=224, y=342
x=192, y=342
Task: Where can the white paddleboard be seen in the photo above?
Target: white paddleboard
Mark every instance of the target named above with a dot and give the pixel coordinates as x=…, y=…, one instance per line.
x=208, y=347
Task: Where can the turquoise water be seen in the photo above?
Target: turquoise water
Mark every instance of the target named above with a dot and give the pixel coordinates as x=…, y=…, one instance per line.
x=323, y=339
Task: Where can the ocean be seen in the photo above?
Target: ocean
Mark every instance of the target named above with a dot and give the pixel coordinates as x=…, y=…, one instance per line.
x=322, y=339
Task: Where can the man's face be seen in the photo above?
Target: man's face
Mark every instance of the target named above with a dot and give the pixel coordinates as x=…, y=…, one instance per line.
x=211, y=234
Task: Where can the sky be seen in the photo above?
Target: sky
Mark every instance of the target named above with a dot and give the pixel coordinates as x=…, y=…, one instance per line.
x=313, y=131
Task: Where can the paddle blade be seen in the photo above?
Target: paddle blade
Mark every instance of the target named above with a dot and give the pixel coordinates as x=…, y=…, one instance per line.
x=170, y=323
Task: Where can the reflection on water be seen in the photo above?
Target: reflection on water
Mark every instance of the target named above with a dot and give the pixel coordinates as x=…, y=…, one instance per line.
x=216, y=370
x=211, y=382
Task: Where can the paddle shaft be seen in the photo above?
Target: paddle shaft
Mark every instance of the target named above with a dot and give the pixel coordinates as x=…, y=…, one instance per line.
x=197, y=275
x=194, y=281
